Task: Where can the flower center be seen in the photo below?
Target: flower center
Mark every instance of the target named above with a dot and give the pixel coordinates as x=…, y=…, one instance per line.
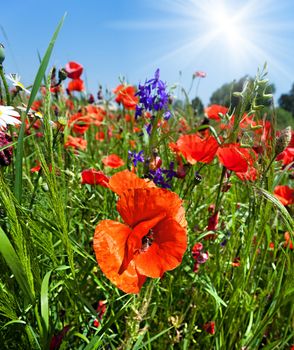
x=147, y=241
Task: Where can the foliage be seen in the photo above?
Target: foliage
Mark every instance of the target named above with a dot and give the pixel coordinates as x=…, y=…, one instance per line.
x=286, y=101
x=53, y=293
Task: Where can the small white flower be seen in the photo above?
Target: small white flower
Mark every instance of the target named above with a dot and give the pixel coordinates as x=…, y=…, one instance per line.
x=15, y=78
x=8, y=116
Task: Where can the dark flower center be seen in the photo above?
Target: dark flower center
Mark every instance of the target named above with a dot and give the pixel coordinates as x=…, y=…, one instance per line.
x=147, y=241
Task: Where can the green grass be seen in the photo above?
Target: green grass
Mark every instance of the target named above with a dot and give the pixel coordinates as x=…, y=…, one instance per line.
x=49, y=275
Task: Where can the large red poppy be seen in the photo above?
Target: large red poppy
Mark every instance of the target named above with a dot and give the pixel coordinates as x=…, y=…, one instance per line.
x=285, y=194
x=195, y=149
x=236, y=158
x=152, y=238
x=113, y=161
x=73, y=70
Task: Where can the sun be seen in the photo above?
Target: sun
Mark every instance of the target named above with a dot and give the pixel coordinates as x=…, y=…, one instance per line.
x=228, y=37
x=227, y=26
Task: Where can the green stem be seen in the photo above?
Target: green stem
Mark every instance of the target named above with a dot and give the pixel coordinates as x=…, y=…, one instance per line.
x=217, y=202
x=8, y=101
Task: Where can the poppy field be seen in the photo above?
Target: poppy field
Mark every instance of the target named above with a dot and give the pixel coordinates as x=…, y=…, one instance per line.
x=132, y=221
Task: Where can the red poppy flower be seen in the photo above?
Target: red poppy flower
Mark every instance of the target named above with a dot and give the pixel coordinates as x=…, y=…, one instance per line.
x=126, y=96
x=36, y=168
x=96, y=114
x=74, y=70
x=76, y=85
x=94, y=177
x=236, y=262
x=36, y=106
x=79, y=123
x=113, y=161
x=76, y=143
x=195, y=149
x=285, y=194
x=236, y=158
x=213, y=111
x=209, y=327
x=152, y=240
x=100, y=136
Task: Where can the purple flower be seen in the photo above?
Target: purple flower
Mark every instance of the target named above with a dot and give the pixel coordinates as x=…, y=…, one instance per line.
x=170, y=173
x=153, y=97
x=148, y=128
x=162, y=177
x=136, y=157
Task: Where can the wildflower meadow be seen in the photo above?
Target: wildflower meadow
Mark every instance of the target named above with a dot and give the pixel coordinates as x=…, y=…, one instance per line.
x=132, y=220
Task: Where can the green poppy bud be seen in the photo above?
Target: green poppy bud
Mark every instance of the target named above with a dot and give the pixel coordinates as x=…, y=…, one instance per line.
x=62, y=74
x=283, y=140
x=2, y=54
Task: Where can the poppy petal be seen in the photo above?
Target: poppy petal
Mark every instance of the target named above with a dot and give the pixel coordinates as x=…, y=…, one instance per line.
x=124, y=180
x=142, y=204
x=134, y=242
x=165, y=252
x=109, y=246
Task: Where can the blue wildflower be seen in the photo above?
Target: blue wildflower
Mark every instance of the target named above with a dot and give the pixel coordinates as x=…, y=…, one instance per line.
x=153, y=97
x=162, y=177
x=136, y=157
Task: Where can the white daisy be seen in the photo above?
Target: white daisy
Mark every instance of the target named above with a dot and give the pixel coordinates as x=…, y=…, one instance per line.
x=15, y=78
x=8, y=117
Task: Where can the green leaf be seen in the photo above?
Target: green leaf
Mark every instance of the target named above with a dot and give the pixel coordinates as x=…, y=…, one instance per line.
x=35, y=89
x=44, y=300
x=14, y=264
x=13, y=322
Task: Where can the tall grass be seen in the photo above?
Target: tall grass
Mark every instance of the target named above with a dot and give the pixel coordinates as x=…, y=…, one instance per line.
x=50, y=280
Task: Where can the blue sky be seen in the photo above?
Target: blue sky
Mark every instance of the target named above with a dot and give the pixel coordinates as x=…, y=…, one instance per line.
x=225, y=38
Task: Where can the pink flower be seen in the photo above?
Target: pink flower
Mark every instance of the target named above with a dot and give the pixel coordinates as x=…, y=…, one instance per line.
x=199, y=74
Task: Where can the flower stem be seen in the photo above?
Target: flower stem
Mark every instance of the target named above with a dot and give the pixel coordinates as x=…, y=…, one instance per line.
x=5, y=86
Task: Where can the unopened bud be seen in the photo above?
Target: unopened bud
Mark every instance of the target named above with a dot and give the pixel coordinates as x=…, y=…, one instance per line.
x=62, y=74
x=2, y=54
x=283, y=140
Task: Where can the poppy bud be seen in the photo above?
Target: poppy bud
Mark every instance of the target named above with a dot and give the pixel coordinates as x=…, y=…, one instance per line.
x=2, y=54
x=198, y=178
x=62, y=74
x=226, y=187
x=182, y=171
x=213, y=222
x=283, y=140
x=96, y=323
x=91, y=98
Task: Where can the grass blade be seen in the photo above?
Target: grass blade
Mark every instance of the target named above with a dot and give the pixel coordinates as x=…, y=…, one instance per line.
x=14, y=264
x=35, y=89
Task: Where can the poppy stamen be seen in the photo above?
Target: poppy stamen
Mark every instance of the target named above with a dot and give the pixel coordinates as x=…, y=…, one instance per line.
x=147, y=241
